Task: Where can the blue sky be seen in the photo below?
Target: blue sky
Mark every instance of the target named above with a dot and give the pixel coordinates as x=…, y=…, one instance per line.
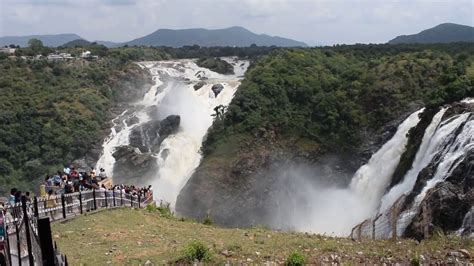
x=311, y=21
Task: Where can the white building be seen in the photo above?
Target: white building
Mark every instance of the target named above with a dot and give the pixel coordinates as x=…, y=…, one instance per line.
x=7, y=50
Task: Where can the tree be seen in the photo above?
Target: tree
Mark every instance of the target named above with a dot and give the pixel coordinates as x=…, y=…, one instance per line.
x=35, y=45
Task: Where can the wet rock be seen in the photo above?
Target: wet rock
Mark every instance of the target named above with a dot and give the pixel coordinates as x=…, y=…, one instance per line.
x=164, y=153
x=199, y=85
x=132, y=166
x=148, y=136
x=217, y=88
x=132, y=120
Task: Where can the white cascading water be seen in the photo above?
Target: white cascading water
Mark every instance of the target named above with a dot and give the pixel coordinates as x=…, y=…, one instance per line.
x=195, y=108
x=451, y=150
x=424, y=155
x=375, y=176
x=337, y=210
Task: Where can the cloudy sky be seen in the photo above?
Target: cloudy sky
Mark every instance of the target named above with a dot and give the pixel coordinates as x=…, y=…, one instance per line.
x=311, y=21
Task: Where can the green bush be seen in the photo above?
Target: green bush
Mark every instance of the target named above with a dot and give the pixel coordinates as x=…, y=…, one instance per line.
x=196, y=251
x=208, y=220
x=165, y=210
x=151, y=207
x=295, y=259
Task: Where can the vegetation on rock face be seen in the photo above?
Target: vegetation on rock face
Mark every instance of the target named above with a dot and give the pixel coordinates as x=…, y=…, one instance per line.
x=53, y=112
x=329, y=95
x=216, y=64
x=303, y=105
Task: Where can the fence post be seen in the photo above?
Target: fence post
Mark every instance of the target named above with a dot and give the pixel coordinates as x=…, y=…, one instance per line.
x=105, y=196
x=139, y=200
x=131, y=200
x=426, y=220
x=80, y=201
x=18, y=243
x=394, y=216
x=121, y=198
x=373, y=225
x=95, y=202
x=113, y=196
x=27, y=231
x=46, y=241
x=35, y=206
x=359, y=232
x=9, y=253
x=63, y=204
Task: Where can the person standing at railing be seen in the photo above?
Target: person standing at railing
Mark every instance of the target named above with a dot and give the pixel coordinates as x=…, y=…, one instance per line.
x=51, y=203
x=11, y=199
x=42, y=190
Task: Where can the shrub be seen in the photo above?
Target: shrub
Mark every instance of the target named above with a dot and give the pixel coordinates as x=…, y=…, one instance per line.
x=295, y=259
x=165, y=210
x=151, y=207
x=196, y=250
x=415, y=261
x=207, y=220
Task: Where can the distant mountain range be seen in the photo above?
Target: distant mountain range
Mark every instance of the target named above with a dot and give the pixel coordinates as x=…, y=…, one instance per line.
x=233, y=36
x=443, y=33
x=48, y=40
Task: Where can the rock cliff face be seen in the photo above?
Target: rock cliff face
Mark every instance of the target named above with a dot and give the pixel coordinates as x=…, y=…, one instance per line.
x=148, y=136
x=449, y=201
x=269, y=174
x=247, y=188
x=137, y=163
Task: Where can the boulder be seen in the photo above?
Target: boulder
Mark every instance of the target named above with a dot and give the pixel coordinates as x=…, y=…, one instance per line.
x=132, y=120
x=199, y=85
x=217, y=88
x=148, y=136
x=133, y=167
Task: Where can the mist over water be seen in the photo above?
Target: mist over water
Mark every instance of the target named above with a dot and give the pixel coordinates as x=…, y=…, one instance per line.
x=314, y=205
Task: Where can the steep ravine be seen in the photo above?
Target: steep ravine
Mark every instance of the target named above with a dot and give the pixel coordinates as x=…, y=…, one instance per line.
x=270, y=183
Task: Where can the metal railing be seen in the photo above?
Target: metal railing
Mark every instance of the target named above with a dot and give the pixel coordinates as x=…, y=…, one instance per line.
x=23, y=243
x=393, y=222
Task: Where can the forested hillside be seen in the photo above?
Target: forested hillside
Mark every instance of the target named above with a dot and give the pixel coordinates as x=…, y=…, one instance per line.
x=55, y=112
x=328, y=95
x=302, y=105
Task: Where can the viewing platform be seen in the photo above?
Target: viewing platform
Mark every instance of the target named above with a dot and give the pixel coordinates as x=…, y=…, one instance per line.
x=25, y=232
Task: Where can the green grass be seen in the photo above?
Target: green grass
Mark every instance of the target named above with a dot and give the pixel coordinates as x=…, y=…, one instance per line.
x=126, y=236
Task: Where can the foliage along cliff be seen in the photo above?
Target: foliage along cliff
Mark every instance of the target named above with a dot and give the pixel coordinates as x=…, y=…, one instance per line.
x=320, y=107
x=52, y=113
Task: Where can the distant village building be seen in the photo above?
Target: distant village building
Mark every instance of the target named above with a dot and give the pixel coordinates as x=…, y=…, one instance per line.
x=88, y=55
x=7, y=50
x=61, y=56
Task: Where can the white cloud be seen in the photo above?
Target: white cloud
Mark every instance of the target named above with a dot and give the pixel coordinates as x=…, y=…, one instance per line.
x=313, y=21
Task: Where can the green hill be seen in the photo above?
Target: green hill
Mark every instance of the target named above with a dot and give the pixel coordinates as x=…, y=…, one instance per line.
x=76, y=43
x=443, y=33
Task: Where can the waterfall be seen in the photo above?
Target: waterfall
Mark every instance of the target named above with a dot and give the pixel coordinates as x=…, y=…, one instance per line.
x=451, y=149
x=174, y=94
x=424, y=155
x=371, y=180
x=336, y=210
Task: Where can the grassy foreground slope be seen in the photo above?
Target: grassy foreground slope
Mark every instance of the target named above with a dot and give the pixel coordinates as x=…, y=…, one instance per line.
x=132, y=237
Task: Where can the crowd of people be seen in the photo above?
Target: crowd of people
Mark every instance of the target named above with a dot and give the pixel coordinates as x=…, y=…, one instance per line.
x=71, y=180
